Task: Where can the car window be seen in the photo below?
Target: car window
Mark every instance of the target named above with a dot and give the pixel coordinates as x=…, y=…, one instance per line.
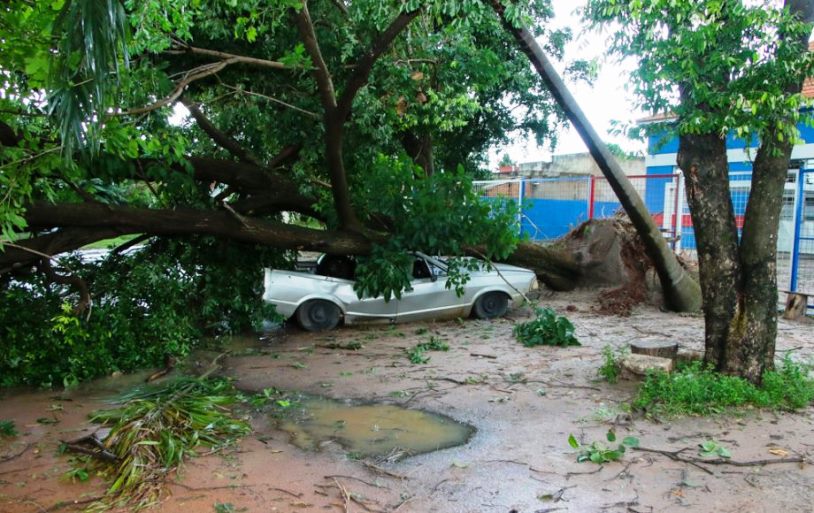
x=421, y=269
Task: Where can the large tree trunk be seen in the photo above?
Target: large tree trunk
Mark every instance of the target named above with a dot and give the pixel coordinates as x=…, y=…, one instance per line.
x=702, y=158
x=739, y=278
x=681, y=292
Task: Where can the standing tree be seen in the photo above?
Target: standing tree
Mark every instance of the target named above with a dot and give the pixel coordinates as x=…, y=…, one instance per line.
x=681, y=292
x=725, y=67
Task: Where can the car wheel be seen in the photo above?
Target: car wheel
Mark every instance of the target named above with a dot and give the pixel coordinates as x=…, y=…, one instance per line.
x=491, y=305
x=318, y=315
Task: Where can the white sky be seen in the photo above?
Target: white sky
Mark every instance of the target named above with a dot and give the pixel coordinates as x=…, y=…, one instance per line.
x=603, y=101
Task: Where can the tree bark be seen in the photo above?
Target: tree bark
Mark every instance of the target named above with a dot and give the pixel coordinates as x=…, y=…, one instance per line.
x=702, y=158
x=739, y=278
x=681, y=292
x=82, y=223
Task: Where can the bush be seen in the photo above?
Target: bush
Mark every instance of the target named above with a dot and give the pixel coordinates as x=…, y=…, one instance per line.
x=694, y=389
x=155, y=303
x=546, y=329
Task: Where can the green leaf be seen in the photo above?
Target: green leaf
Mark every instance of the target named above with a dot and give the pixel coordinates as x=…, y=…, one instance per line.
x=611, y=436
x=572, y=441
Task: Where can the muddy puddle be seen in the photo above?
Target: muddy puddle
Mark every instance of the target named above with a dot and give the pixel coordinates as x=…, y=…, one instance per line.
x=372, y=430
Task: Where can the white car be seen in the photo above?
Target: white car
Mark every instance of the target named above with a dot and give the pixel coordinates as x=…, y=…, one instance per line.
x=321, y=300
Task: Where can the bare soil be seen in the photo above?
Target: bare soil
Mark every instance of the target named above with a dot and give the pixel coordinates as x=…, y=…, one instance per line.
x=523, y=402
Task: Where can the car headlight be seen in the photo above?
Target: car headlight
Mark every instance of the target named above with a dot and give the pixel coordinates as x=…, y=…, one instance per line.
x=534, y=284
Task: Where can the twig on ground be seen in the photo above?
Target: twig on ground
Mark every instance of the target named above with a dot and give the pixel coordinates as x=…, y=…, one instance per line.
x=374, y=485
x=569, y=474
x=677, y=456
x=380, y=470
x=345, y=495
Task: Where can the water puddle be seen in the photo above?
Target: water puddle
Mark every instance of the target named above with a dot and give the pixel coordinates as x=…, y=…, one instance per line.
x=378, y=430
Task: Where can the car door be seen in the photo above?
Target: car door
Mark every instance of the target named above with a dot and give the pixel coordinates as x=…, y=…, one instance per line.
x=429, y=297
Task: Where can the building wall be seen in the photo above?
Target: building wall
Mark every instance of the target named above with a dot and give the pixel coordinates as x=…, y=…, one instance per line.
x=575, y=164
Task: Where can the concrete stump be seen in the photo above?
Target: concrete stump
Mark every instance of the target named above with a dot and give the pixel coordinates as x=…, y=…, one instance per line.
x=636, y=366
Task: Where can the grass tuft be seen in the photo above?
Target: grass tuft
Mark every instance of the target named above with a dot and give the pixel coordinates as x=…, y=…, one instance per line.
x=695, y=389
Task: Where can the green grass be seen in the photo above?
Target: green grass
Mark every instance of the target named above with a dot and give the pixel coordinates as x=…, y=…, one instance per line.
x=696, y=390
x=611, y=366
x=7, y=428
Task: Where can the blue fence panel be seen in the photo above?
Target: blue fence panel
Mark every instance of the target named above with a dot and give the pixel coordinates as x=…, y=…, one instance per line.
x=551, y=218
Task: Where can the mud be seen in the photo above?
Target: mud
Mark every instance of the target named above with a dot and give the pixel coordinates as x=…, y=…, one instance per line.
x=371, y=430
x=523, y=402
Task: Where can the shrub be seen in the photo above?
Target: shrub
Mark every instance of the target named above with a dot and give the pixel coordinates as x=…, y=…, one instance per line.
x=154, y=303
x=695, y=389
x=546, y=329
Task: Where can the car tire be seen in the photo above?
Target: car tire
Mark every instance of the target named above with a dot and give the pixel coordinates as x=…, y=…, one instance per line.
x=491, y=305
x=318, y=315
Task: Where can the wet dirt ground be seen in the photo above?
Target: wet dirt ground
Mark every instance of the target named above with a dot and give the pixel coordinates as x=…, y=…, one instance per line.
x=524, y=403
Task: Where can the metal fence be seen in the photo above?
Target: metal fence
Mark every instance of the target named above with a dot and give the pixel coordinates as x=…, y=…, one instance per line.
x=550, y=207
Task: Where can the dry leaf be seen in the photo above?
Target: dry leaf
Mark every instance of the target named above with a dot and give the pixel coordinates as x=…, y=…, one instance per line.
x=417, y=75
x=777, y=451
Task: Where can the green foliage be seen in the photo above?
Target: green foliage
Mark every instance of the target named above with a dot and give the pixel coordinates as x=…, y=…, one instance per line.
x=598, y=452
x=156, y=429
x=417, y=354
x=7, y=428
x=546, y=329
x=611, y=363
x=711, y=448
x=441, y=215
x=172, y=296
x=694, y=389
x=719, y=66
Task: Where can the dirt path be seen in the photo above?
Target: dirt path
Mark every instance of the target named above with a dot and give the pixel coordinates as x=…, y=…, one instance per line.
x=523, y=402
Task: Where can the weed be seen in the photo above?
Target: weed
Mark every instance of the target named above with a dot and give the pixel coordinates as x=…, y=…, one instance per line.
x=7, y=428
x=598, y=453
x=434, y=344
x=417, y=354
x=712, y=448
x=299, y=365
x=77, y=474
x=611, y=363
x=546, y=329
x=421, y=331
x=224, y=507
x=695, y=389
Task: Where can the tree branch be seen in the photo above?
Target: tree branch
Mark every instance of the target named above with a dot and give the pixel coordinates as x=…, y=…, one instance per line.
x=180, y=222
x=325, y=84
x=188, y=77
x=29, y=251
x=361, y=73
x=220, y=138
x=181, y=47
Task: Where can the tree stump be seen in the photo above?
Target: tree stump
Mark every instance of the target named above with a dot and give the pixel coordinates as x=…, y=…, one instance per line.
x=659, y=348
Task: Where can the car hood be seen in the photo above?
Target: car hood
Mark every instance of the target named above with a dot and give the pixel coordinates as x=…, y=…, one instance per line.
x=506, y=268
